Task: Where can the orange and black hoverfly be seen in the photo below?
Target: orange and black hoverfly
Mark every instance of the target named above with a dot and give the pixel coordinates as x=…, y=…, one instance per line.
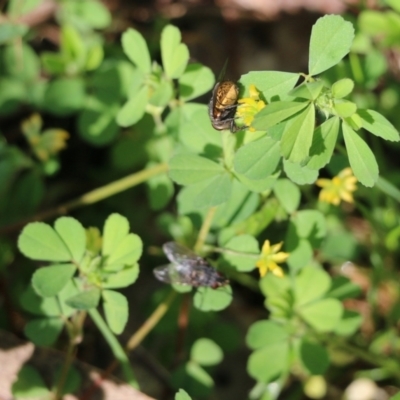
x=223, y=104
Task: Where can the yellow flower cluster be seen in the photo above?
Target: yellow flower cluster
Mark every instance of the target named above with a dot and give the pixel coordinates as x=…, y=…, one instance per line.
x=338, y=188
x=249, y=107
x=270, y=258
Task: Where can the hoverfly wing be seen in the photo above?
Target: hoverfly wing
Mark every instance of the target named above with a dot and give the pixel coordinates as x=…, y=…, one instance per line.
x=223, y=71
x=172, y=274
x=178, y=254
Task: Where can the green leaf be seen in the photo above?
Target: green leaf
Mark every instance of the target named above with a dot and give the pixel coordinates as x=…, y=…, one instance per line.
x=396, y=6
x=85, y=300
x=22, y=62
x=299, y=174
x=44, y=331
x=32, y=302
x=331, y=39
x=94, y=57
x=344, y=108
x=70, y=289
x=133, y=110
x=29, y=384
x=90, y=12
x=311, y=284
x=276, y=112
x=199, y=374
x=161, y=94
x=216, y=192
x=342, y=288
x=116, y=228
x=306, y=231
x=342, y=88
x=301, y=255
x=323, y=144
x=206, y=352
x=362, y=159
x=174, y=54
x=269, y=362
x=160, y=191
x=322, y=315
x=265, y=333
x=121, y=278
x=349, y=324
x=258, y=159
x=242, y=244
x=96, y=123
x=208, y=299
x=288, y=195
x=39, y=241
x=54, y=63
x=65, y=96
x=49, y=281
x=311, y=225
x=136, y=49
x=10, y=31
x=72, y=44
x=308, y=90
x=377, y=124
x=297, y=135
x=125, y=253
x=259, y=185
x=116, y=310
x=73, y=234
x=187, y=169
x=195, y=131
x=119, y=247
x=195, y=81
x=314, y=357
x=241, y=205
x=270, y=83
x=182, y=395
x=12, y=93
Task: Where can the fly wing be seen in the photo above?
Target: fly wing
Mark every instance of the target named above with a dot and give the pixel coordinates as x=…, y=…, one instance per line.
x=223, y=70
x=172, y=274
x=178, y=254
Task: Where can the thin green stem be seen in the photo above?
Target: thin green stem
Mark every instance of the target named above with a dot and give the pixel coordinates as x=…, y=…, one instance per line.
x=93, y=196
x=151, y=322
x=65, y=369
x=390, y=365
x=205, y=228
x=233, y=252
x=117, y=349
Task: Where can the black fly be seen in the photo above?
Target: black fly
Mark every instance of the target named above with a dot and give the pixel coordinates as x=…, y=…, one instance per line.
x=187, y=268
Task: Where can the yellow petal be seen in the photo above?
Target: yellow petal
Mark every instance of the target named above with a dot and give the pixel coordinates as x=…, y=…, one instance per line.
x=323, y=182
x=276, y=247
x=262, y=271
x=266, y=248
x=280, y=257
x=278, y=272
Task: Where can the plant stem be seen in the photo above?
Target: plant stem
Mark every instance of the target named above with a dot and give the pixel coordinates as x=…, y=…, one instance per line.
x=65, y=369
x=93, y=196
x=390, y=365
x=132, y=343
x=117, y=349
x=205, y=228
x=151, y=322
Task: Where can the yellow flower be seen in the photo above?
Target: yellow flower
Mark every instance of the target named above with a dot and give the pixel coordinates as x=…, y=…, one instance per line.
x=338, y=188
x=249, y=107
x=270, y=258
